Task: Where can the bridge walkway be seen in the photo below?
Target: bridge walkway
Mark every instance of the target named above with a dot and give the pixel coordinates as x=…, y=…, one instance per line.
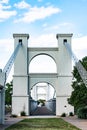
x=42, y=111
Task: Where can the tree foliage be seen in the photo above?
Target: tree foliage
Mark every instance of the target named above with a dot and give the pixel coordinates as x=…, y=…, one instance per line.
x=8, y=93
x=79, y=94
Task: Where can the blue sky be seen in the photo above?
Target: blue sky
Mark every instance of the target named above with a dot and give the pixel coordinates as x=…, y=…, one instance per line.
x=43, y=16
x=42, y=20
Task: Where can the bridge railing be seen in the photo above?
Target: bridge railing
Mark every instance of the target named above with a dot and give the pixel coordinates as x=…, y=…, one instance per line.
x=33, y=106
x=51, y=105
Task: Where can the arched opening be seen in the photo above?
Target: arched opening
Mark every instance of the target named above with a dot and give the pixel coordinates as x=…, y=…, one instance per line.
x=42, y=63
x=43, y=99
x=43, y=91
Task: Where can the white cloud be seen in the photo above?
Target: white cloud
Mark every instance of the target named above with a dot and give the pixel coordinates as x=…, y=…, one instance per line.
x=45, y=25
x=51, y=27
x=37, y=13
x=6, y=44
x=79, y=46
x=60, y=27
x=22, y=5
x=4, y=1
x=80, y=43
x=66, y=24
x=4, y=7
x=6, y=14
x=44, y=40
x=6, y=49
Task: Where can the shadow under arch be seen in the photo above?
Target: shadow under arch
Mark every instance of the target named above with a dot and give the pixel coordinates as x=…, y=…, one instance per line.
x=47, y=61
x=49, y=102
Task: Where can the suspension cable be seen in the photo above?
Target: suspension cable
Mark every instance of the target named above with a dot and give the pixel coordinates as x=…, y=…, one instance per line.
x=10, y=62
x=79, y=66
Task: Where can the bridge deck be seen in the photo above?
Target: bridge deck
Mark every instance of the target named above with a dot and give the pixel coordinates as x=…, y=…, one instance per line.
x=42, y=111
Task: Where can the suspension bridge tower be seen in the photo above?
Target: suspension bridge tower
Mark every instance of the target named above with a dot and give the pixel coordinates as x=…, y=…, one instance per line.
x=23, y=80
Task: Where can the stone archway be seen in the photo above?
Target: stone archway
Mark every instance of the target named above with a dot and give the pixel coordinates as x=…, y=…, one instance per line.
x=43, y=90
x=22, y=80
x=42, y=94
x=42, y=63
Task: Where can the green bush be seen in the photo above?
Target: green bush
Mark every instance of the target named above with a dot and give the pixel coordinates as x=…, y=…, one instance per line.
x=71, y=114
x=23, y=113
x=13, y=115
x=82, y=112
x=41, y=101
x=63, y=115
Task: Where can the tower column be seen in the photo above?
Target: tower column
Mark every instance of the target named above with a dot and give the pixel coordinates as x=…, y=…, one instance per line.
x=64, y=65
x=20, y=97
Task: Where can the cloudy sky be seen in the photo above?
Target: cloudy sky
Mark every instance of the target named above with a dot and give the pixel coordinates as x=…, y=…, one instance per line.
x=42, y=20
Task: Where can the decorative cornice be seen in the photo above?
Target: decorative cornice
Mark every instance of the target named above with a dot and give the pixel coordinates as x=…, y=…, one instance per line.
x=21, y=35
x=43, y=75
x=64, y=35
x=43, y=48
x=64, y=95
x=20, y=95
x=18, y=75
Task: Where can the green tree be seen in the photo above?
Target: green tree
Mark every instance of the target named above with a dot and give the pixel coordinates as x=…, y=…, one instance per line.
x=79, y=94
x=8, y=93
